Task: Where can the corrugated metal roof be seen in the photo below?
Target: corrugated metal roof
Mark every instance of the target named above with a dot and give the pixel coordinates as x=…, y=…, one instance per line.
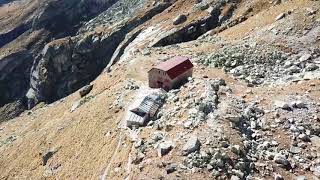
x=175, y=66
x=147, y=107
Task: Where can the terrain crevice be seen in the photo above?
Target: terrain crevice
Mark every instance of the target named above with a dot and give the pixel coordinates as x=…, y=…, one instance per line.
x=12, y=35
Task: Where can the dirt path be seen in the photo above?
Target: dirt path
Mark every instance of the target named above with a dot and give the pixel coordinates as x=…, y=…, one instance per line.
x=107, y=170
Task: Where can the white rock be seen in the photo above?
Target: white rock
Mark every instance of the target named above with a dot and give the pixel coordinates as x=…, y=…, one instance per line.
x=234, y=178
x=187, y=124
x=301, y=178
x=253, y=125
x=280, y=16
x=278, y=177
x=295, y=150
x=316, y=171
x=305, y=57
x=315, y=141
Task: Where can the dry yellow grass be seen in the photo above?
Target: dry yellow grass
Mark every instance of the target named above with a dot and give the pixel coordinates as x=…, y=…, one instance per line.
x=87, y=138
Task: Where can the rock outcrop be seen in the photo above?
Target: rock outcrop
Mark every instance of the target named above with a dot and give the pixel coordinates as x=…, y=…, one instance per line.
x=58, y=19
x=67, y=64
x=14, y=76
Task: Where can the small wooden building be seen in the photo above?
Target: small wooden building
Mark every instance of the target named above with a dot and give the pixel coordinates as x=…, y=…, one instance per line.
x=170, y=74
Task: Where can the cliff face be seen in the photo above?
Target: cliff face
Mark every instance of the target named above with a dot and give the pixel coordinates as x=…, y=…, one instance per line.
x=24, y=35
x=67, y=64
x=14, y=75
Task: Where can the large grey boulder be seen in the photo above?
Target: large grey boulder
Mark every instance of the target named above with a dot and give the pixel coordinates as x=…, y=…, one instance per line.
x=85, y=90
x=281, y=159
x=192, y=145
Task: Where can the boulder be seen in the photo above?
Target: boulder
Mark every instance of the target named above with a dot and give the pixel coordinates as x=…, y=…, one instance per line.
x=179, y=19
x=301, y=178
x=312, y=67
x=315, y=141
x=282, y=105
x=236, y=149
x=171, y=168
x=295, y=150
x=305, y=57
x=48, y=155
x=201, y=6
x=192, y=145
x=293, y=70
x=85, y=90
x=164, y=148
x=281, y=159
x=304, y=137
x=280, y=16
x=278, y=177
x=298, y=104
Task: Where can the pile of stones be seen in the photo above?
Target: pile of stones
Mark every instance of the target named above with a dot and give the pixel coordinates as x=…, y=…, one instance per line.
x=258, y=63
x=248, y=61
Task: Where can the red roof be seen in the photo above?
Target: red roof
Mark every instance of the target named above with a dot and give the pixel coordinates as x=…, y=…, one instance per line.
x=175, y=66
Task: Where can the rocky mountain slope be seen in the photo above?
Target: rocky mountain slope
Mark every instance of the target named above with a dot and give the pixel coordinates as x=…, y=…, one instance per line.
x=251, y=110
x=27, y=27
